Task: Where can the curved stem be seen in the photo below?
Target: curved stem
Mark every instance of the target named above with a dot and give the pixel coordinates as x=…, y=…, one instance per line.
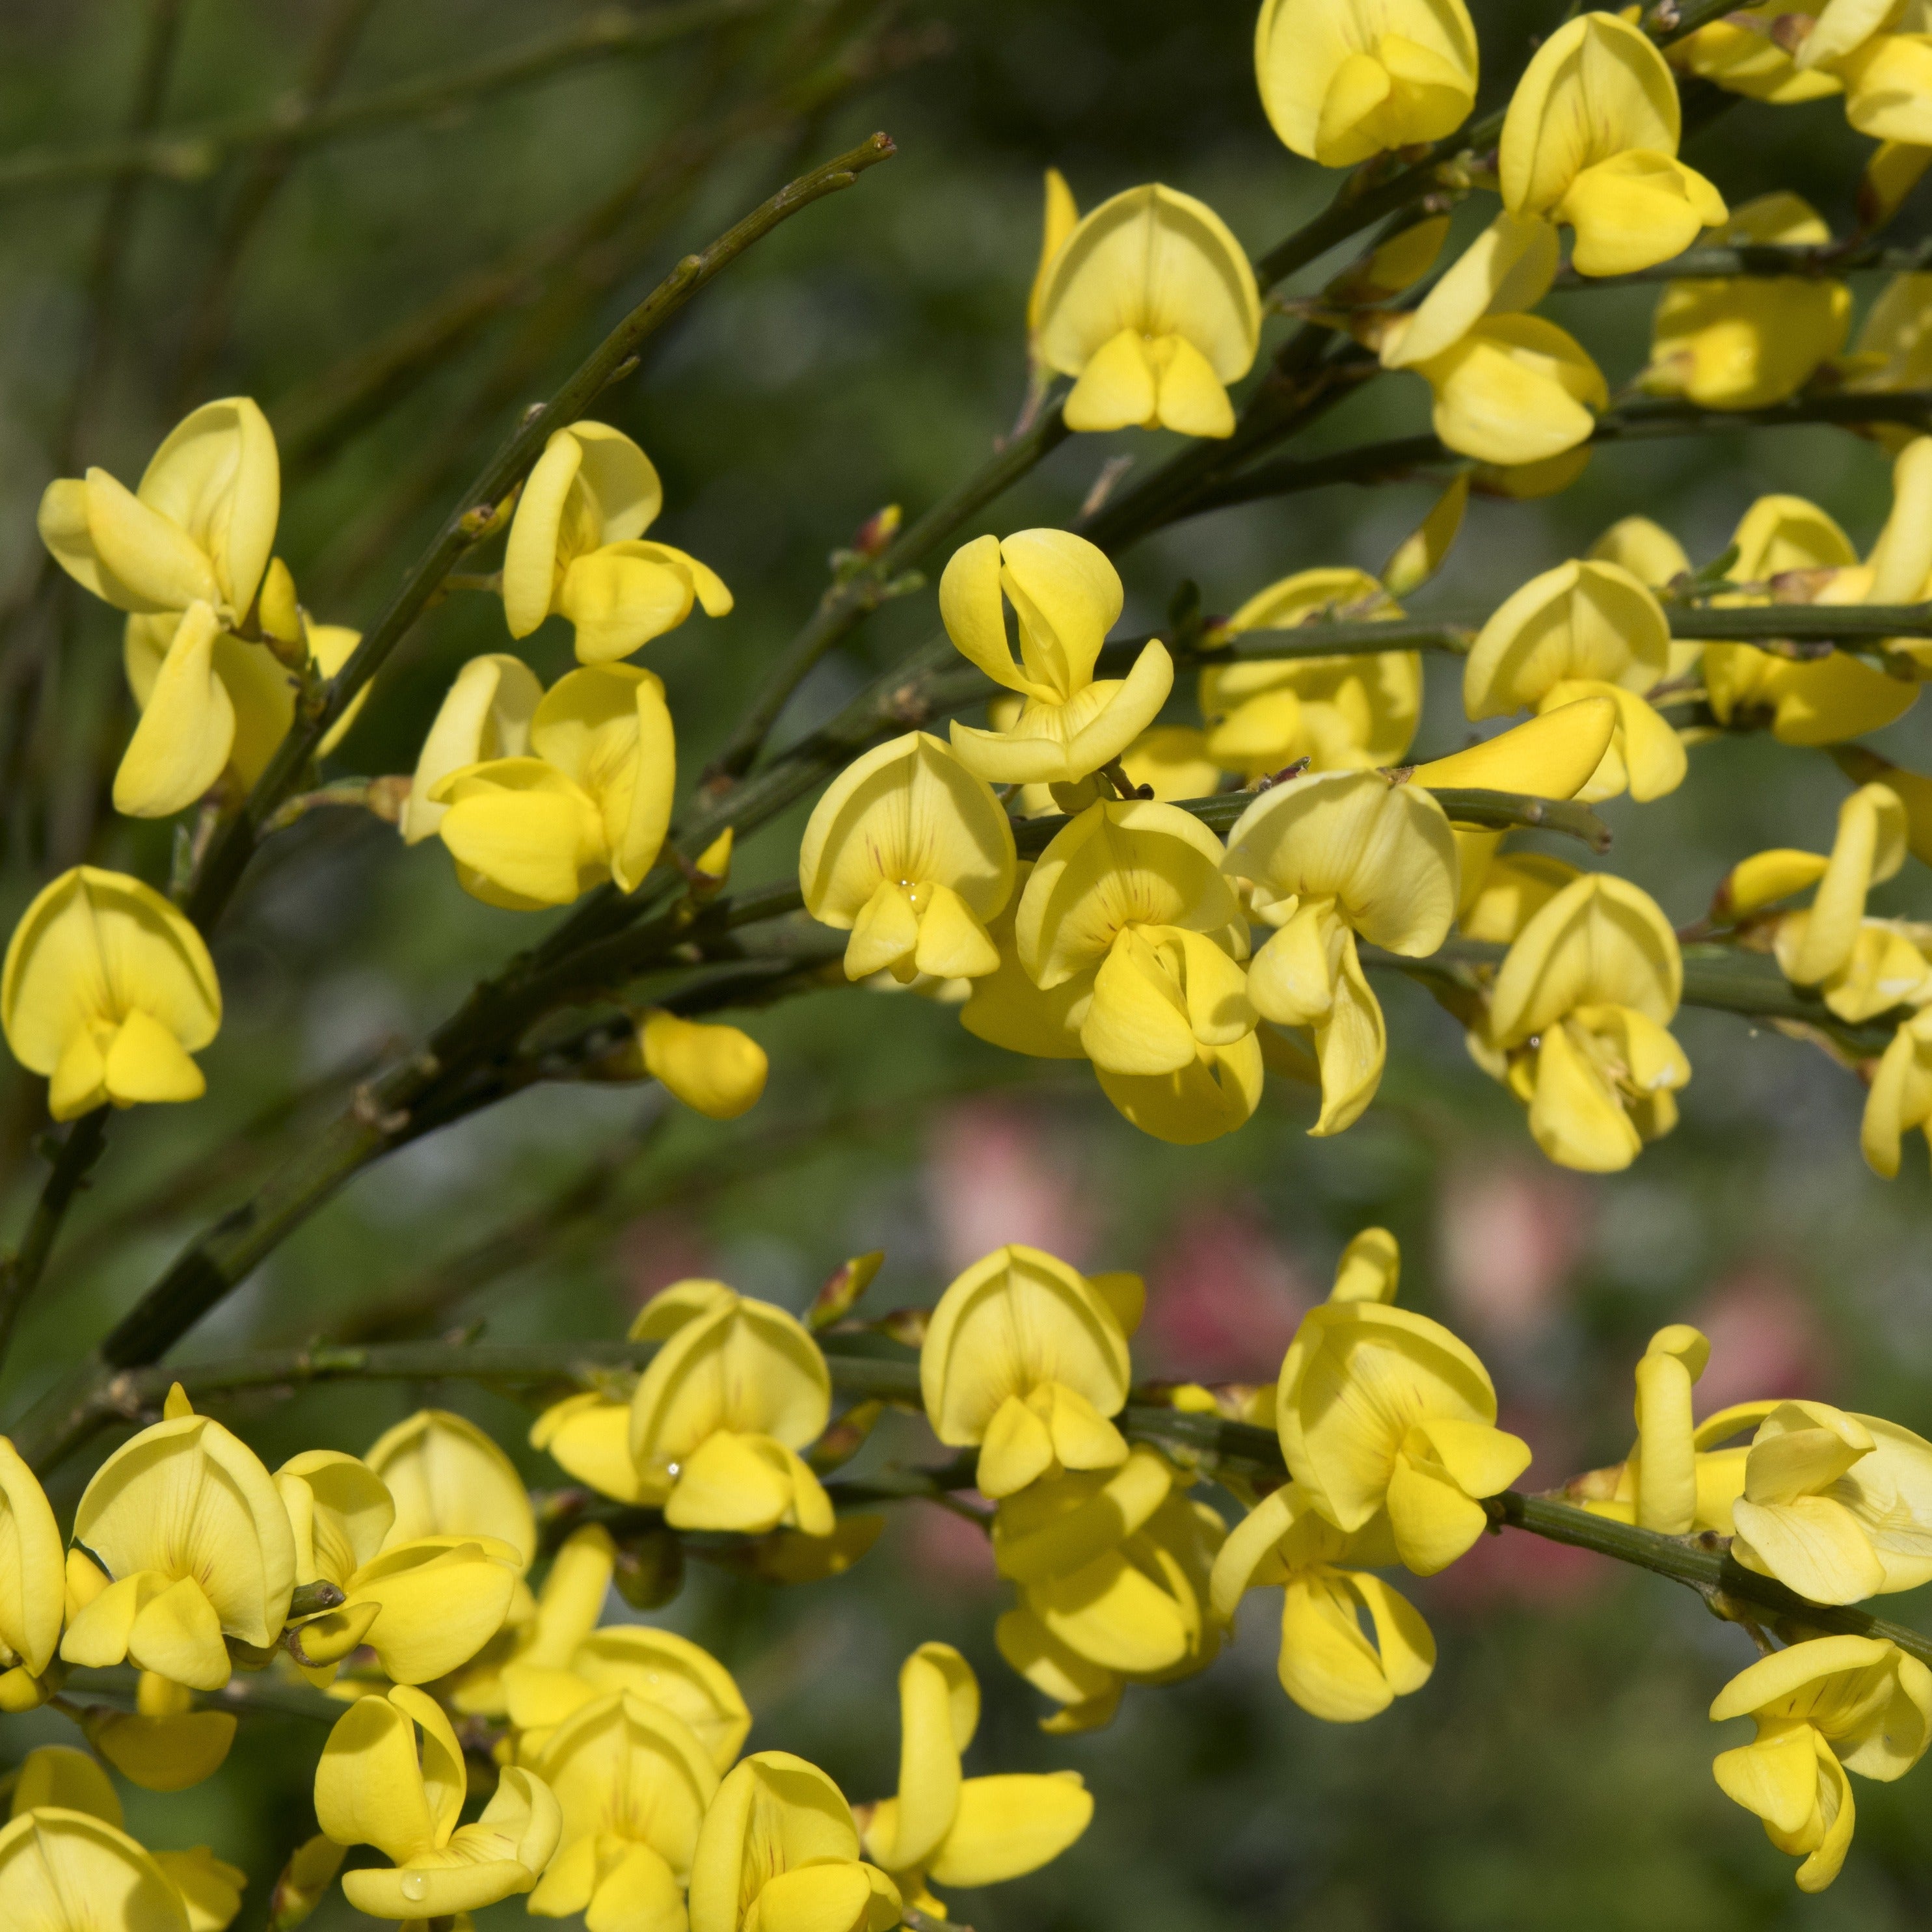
x=20, y=1273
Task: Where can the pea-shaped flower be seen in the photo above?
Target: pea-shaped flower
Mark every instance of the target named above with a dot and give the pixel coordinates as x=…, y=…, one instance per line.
x=1026, y=1357
x=373, y=1788
x=210, y=701
x=486, y=714
x=1343, y=80
x=1739, y=52
x=911, y=852
x=717, y=1071
x=633, y=1784
x=1350, y=1646
x=779, y=1852
x=737, y=1388
x=1582, y=1007
x=590, y=801
x=1837, y=1507
x=1330, y=856
x=1591, y=139
x=107, y=990
x=943, y=1827
x=1065, y=596
x=574, y=548
x=1817, y=946
x=1132, y=893
x=33, y=1592
x=64, y=1871
x=1585, y=629
x=1151, y=304
x=1340, y=713
x=1900, y=1098
x=1112, y=1567
x=198, y=528
x=446, y=1477
x=1378, y=1408
x=1884, y=71
x=196, y=1546
x=1747, y=341
x=425, y=1606
x=1822, y=1708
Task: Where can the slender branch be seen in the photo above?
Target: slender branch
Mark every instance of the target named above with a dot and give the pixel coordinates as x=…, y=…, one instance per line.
x=221, y=868
x=20, y=1273
x=192, y=153
x=1818, y=261
x=1402, y=456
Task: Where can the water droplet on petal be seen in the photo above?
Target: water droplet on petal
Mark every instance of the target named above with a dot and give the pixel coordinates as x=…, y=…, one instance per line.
x=416, y=1887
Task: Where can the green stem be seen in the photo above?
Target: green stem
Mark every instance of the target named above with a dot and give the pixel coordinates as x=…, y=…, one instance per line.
x=192, y=153
x=1402, y=456
x=221, y=868
x=20, y=1273
x=1819, y=261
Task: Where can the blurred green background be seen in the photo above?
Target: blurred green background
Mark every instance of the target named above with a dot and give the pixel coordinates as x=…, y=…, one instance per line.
x=393, y=300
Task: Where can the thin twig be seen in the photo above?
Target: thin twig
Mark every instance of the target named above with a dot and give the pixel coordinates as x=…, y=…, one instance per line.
x=192, y=153
x=21, y=1272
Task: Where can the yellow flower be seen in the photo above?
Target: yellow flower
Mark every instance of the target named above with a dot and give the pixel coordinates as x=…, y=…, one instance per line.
x=1132, y=892
x=1172, y=762
x=33, y=1590
x=196, y=1546
x=1654, y=557
x=632, y=1784
x=1006, y=1009
x=1507, y=270
x=107, y=990
x=64, y=1871
x=1332, y=855
x=779, y=1852
x=370, y=1789
x=1816, y=947
x=1900, y=1098
x=911, y=852
x=1749, y=340
x=1583, y=630
x=1026, y=1357
x=1553, y=755
x=210, y=701
x=590, y=801
x=1112, y=1568
x=1514, y=390
x=198, y=528
x=1059, y=217
x=1837, y=1507
x=1822, y=1708
x=712, y=1432
x=1887, y=74
x=1581, y=1007
x=1340, y=713
x=424, y=1605
x=1370, y=1268
x=1381, y=1409
x=562, y=1661
x=717, y=1071
x=1066, y=596
x=574, y=549
x=1591, y=139
x=1740, y=52
x=447, y=1478
x=1150, y=302
x=1894, y=349
x=1787, y=547
x=164, y=1744
x=486, y=715
x=62, y=1787
x=945, y=1827
x=1343, y=80
x=1330, y=1667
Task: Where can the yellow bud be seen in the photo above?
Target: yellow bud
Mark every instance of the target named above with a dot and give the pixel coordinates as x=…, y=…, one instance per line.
x=716, y=1070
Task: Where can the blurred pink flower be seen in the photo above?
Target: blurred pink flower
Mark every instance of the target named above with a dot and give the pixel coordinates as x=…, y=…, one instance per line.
x=1223, y=1297
x=994, y=1174
x=945, y=1550
x=1766, y=1340
x=1509, y=1234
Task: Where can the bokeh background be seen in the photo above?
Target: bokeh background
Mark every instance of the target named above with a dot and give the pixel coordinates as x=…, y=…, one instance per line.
x=394, y=297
